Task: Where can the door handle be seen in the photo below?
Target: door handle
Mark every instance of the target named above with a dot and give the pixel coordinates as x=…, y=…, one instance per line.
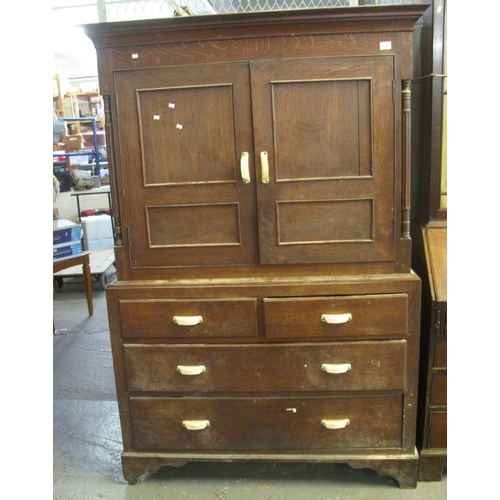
x=264, y=165
x=245, y=168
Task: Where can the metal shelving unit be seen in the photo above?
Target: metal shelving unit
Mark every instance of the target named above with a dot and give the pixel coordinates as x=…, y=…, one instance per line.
x=94, y=152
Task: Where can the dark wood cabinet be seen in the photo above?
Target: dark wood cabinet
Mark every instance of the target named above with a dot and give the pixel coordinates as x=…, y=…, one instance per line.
x=430, y=235
x=265, y=306
x=432, y=414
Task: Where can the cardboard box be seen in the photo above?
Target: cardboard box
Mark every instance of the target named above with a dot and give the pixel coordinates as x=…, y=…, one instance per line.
x=73, y=142
x=65, y=231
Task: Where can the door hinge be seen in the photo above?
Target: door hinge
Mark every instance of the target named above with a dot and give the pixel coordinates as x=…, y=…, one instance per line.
x=117, y=106
x=394, y=91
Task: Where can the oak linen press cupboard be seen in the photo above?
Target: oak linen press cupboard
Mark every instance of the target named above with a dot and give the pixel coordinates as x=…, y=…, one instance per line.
x=265, y=307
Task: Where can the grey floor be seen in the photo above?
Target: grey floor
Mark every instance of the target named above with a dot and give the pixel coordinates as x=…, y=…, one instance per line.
x=87, y=439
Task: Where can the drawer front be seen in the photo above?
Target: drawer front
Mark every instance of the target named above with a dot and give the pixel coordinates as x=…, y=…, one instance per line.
x=362, y=316
x=439, y=389
x=440, y=354
x=438, y=429
x=267, y=423
x=346, y=366
x=184, y=319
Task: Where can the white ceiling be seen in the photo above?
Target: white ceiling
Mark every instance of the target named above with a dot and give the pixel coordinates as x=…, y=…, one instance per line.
x=74, y=53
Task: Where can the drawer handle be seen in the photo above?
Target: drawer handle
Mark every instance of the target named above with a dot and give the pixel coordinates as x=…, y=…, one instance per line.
x=191, y=370
x=195, y=425
x=245, y=169
x=336, y=424
x=264, y=165
x=187, y=320
x=336, y=319
x=338, y=368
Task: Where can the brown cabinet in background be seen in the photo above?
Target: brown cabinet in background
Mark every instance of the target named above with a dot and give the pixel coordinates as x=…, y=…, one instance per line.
x=432, y=414
x=429, y=233
x=265, y=307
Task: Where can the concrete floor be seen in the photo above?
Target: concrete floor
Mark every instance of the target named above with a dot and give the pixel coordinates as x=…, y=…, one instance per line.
x=87, y=438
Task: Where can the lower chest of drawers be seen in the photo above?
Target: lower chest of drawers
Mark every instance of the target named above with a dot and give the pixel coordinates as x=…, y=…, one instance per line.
x=323, y=370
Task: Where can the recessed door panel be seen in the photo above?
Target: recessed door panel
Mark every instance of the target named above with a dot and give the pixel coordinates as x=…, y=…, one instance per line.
x=326, y=126
x=183, y=131
x=325, y=221
x=184, y=144
x=198, y=225
x=330, y=120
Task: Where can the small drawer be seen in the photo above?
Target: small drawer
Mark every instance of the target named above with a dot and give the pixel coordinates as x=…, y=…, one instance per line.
x=362, y=316
x=188, y=319
x=438, y=429
x=347, y=366
x=440, y=354
x=439, y=389
x=268, y=424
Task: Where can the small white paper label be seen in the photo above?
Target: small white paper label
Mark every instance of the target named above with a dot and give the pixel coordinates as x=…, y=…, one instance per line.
x=171, y=105
x=135, y=56
x=386, y=45
x=439, y=9
x=179, y=126
x=156, y=117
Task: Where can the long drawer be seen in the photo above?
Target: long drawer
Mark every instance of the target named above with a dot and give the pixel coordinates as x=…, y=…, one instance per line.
x=340, y=366
x=162, y=318
x=313, y=423
x=362, y=316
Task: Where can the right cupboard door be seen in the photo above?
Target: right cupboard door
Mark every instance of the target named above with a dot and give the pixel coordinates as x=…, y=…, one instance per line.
x=324, y=141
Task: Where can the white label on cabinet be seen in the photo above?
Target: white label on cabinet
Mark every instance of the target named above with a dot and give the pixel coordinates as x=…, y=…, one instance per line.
x=179, y=126
x=171, y=105
x=135, y=56
x=386, y=45
x=156, y=117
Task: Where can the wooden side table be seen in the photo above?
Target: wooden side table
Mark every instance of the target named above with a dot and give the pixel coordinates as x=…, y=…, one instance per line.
x=75, y=260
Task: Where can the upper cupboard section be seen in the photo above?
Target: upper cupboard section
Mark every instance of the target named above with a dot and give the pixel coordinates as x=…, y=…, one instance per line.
x=271, y=162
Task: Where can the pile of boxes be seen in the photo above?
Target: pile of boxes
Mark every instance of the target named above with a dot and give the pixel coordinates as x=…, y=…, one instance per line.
x=67, y=238
x=94, y=233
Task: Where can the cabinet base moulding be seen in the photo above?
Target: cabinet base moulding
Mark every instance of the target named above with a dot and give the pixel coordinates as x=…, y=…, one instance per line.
x=431, y=466
x=402, y=468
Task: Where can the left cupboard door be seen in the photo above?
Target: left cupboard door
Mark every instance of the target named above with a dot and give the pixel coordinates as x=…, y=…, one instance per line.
x=187, y=166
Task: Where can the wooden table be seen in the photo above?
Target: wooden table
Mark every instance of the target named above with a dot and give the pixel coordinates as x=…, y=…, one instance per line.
x=80, y=259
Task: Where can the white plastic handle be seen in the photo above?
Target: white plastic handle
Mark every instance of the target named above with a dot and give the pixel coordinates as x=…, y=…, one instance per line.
x=336, y=424
x=264, y=165
x=336, y=319
x=191, y=370
x=245, y=169
x=338, y=368
x=195, y=425
x=187, y=320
